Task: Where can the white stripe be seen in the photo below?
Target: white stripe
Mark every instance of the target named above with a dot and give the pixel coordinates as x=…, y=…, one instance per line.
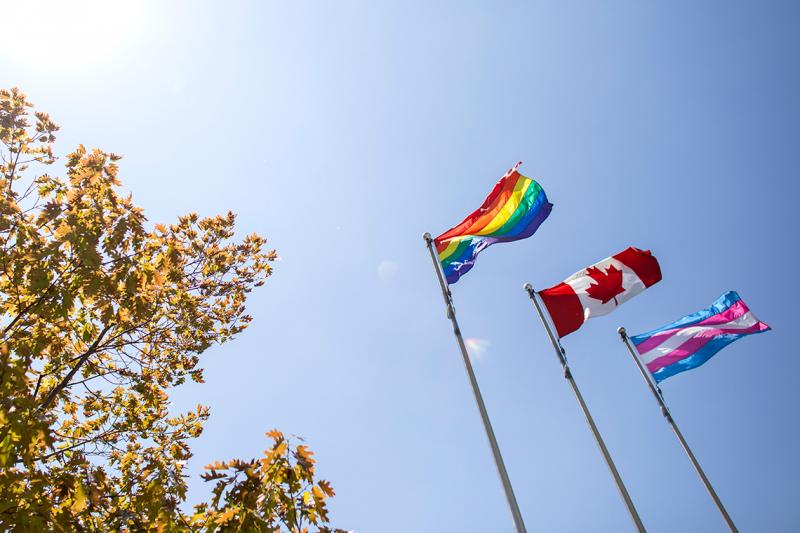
x=745, y=321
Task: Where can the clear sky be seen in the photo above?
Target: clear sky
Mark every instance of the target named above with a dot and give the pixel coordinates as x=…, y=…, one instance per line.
x=344, y=130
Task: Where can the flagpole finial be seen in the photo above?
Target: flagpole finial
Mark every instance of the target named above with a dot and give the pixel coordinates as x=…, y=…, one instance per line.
x=427, y=237
x=528, y=287
x=622, y=332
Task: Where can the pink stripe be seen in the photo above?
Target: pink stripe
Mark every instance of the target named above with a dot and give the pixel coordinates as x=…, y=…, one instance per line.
x=698, y=341
x=733, y=312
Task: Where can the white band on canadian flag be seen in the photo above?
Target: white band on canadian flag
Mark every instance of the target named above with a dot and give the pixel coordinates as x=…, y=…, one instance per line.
x=600, y=288
x=581, y=282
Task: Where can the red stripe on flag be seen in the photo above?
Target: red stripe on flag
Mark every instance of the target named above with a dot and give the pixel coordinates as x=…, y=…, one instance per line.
x=500, y=193
x=642, y=263
x=564, y=307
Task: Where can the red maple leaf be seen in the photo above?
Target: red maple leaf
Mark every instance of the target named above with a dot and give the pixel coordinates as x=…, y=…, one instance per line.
x=609, y=284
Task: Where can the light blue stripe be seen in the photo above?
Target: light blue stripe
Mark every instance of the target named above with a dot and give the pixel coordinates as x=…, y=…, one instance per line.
x=721, y=305
x=700, y=356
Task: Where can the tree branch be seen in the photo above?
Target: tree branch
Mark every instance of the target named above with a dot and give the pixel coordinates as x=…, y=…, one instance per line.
x=64, y=382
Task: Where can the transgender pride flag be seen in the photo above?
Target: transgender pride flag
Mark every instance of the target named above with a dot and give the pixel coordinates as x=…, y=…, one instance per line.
x=694, y=339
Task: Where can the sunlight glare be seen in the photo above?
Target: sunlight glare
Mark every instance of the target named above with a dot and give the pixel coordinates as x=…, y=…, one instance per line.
x=56, y=34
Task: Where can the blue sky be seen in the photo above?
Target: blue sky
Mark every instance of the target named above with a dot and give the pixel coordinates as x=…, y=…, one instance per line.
x=344, y=130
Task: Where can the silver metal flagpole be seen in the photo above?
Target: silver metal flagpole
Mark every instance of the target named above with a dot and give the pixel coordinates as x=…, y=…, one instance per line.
x=568, y=375
x=665, y=411
x=498, y=459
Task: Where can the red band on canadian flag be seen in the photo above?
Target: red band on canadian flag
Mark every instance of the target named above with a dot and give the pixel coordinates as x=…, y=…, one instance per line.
x=600, y=288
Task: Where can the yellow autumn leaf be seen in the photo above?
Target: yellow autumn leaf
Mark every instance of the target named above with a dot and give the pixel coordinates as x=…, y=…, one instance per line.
x=78, y=498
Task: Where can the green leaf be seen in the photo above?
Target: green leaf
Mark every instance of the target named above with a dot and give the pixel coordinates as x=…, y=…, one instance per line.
x=39, y=280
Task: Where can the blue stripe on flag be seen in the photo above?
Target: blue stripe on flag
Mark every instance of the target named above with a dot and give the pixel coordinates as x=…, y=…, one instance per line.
x=722, y=303
x=698, y=358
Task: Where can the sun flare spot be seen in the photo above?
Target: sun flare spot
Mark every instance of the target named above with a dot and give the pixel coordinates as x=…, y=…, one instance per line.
x=476, y=347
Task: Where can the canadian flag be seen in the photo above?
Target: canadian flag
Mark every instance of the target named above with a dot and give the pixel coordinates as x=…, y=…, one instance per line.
x=599, y=289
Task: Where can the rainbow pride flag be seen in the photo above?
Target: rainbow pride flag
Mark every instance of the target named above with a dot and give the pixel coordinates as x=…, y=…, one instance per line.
x=692, y=340
x=514, y=210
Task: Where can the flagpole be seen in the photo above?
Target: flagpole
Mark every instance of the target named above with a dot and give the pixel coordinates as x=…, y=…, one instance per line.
x=487, y=425
x=665, y=411
x=562, y=358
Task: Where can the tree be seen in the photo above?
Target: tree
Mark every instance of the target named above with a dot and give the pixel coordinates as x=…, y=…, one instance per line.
x=101, y=317
x=255, y=495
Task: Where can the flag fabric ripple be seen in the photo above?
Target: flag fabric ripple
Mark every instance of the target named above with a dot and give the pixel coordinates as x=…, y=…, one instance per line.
x=694, y=339
x=514, y=210
x=600, y=288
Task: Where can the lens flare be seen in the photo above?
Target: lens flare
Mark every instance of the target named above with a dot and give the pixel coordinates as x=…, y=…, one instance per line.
x=387, y=270
x=476, y=347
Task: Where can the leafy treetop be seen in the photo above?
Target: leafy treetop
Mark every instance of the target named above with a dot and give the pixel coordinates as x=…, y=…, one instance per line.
x=101, y=316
